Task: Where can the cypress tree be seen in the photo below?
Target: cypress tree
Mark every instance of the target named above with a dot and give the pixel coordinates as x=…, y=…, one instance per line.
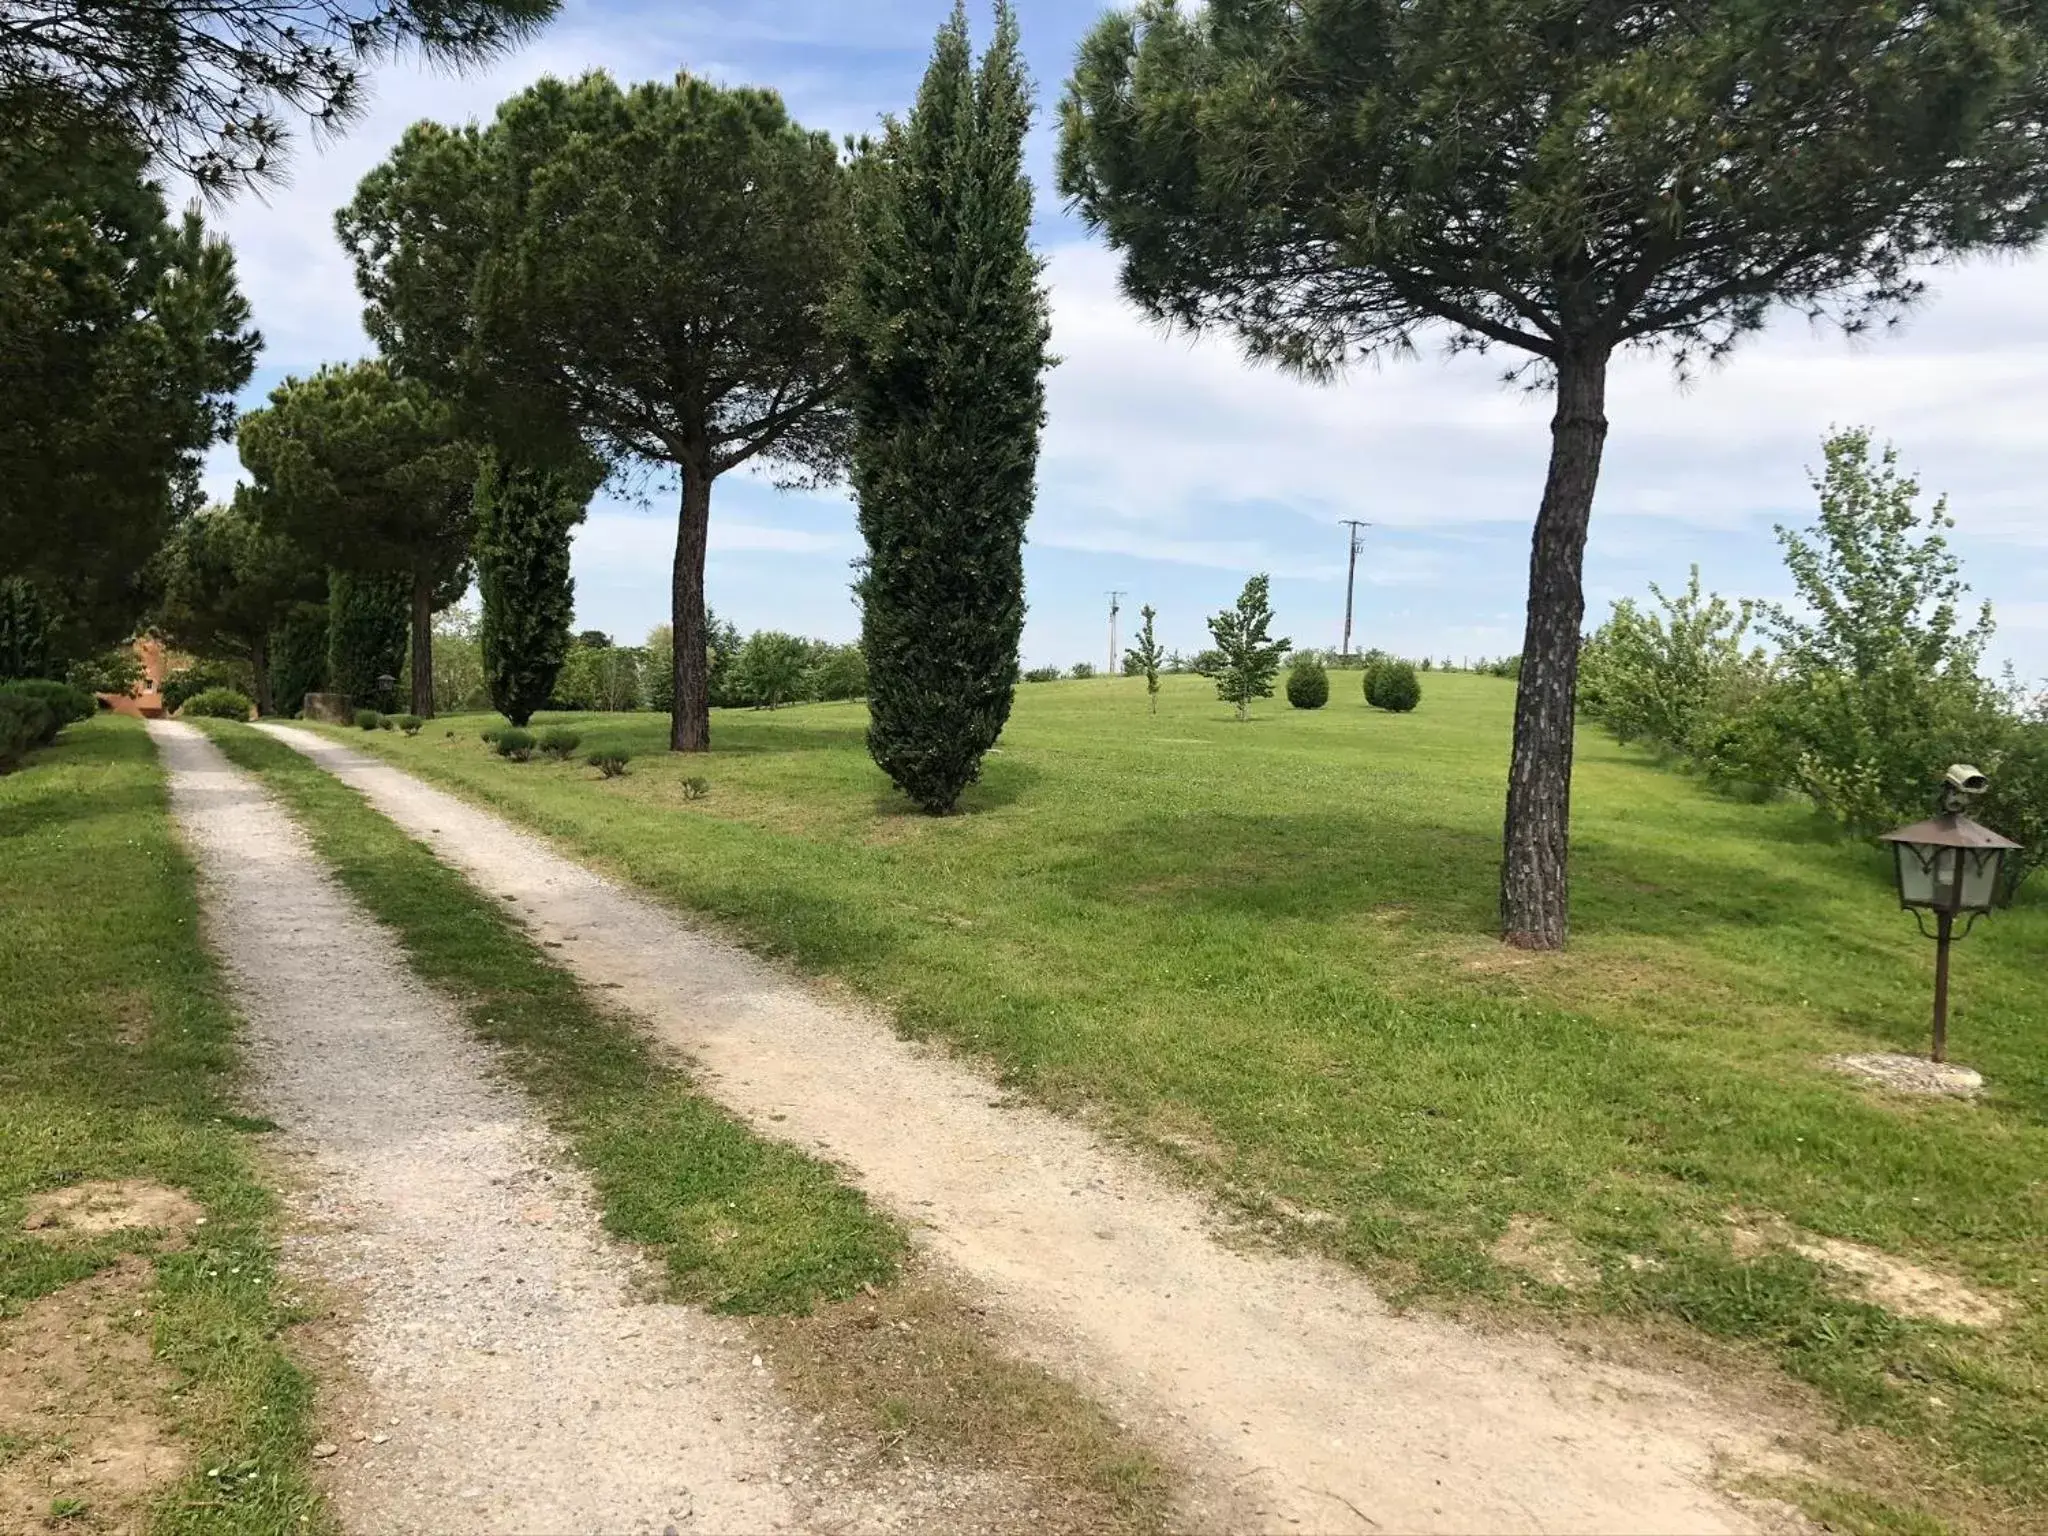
x=368, y=618
x=947, y=337
x=298, y=657
x=524, y=520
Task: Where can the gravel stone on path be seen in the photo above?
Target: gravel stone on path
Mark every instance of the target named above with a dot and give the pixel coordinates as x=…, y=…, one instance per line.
x=514, y=1380
x=1290, y=1395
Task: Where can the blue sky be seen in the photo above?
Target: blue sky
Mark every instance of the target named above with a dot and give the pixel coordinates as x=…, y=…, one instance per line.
x=1172, y=470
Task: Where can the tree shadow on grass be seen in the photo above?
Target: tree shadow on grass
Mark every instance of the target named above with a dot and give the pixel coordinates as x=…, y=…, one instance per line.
x=1334, y=863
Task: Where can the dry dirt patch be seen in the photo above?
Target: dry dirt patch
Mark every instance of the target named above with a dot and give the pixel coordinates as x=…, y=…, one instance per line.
x=1882, y=1279
x=112, y=1205
x=83, y=1441
x=1546, y=1251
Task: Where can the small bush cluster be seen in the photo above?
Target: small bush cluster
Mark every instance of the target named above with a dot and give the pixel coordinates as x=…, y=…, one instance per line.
x=1308, y=684
x=609, y=763
x=203, y=677
x=410, y=724
x=218, y=704
x=33, y=711
x=514, y=743
x=696, y=789
x=1082, y=669
x=559, y=743
x=1043, y=675
x=1392, y=685
x=368, y=720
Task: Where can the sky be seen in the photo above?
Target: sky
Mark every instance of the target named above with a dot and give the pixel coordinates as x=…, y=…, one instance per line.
x=1172, y=469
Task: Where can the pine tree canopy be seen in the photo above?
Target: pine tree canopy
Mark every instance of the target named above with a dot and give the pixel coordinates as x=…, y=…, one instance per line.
x=210, y=85
x=1329, y=179
x=123, y=339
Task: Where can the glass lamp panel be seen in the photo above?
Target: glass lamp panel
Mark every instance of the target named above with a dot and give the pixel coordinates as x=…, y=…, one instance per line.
x=1980, y=879
x=1916, y=874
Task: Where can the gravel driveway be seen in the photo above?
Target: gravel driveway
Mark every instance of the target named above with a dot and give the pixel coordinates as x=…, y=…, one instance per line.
x=1293, y=1398
x=508, y=1377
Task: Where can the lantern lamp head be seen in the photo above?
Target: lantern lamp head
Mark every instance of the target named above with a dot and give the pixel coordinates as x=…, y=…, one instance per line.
x=1948, y=863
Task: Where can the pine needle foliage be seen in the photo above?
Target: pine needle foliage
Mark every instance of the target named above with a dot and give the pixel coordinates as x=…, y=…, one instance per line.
x=947, y=331
x=1247, y=659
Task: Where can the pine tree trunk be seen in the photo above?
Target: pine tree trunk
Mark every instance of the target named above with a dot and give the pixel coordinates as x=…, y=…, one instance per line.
x=690, y=716
x=1533, y=889
x=259, y=665
x=423, y=645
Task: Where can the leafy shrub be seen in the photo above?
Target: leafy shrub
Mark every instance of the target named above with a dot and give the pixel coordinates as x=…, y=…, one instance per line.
x=838, y=672
x=514, y=743
x=1308, y=684
x=1672, y=678
x=1393, y=686
x=1043, y=675
x=117, y=672
x=490, y=733
x=559, y=743
x=218, y=704
x=610, y=763
x=1083, y=669
x=25, y=723
x=386, y=722
x=410, y=724
x=368, y=719
x=64, y=702
x=2017, y=803
x=200, y=677
x=696, y=789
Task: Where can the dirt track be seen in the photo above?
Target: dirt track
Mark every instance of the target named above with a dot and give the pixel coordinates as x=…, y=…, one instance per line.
x=1294, y=1399
x=508, y=1377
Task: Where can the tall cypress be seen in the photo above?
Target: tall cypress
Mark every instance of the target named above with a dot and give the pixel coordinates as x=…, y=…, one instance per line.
x=525, y=518
x=298, y=657
x=947, y=331
x=368, y=619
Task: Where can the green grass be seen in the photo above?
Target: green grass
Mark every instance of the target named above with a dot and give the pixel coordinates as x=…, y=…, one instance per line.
x=116, y=1062
x=745, y=1225
x=1265, y=949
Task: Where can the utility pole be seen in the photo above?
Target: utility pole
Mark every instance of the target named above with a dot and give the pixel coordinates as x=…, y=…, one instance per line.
x=1114, y=599
x=1351, y=575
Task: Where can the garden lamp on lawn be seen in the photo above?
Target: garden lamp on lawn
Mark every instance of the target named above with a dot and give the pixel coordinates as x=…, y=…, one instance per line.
x=1949, y=866
x=387, y=691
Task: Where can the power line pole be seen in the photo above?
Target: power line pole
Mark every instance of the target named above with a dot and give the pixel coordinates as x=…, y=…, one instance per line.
x=1351, y=575
x=1114, y=599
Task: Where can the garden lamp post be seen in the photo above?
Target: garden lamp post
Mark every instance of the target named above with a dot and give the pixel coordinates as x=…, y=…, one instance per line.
x=387, y=691
x=1949, y=866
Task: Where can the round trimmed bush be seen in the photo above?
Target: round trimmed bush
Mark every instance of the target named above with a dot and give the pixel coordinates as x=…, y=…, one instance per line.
x=611, y=764
x=218, y=704
x=559, y=743
x=1393, y=686
x=515, y=744
x=368, y=720
x=1308, y=685
x=410, y=724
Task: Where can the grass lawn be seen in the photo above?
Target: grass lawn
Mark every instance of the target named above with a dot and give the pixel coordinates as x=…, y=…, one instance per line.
x=116, y=1061
x=745, y=1226
x=1265, y=950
